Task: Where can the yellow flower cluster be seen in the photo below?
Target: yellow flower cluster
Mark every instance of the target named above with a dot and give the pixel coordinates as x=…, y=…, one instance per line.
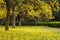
x=28, y=34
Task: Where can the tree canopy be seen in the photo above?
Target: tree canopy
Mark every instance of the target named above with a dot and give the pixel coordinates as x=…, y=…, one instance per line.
x=42, y=10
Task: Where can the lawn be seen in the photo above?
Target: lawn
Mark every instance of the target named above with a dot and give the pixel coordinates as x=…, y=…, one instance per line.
x=30, y=33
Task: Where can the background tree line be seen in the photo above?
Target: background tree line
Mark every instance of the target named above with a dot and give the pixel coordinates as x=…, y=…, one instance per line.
x=18, y=11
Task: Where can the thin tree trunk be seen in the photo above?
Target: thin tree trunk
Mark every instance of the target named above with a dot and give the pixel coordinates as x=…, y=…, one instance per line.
x=13, y=18
x=20, y=23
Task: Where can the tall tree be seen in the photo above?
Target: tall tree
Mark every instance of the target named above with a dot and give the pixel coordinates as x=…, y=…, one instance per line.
x=14, y=4
x=35, y=10
x=13, y=16
x=8, y=14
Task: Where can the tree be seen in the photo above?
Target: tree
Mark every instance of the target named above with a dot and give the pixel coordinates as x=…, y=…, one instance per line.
x=35, y=10
x=13, y=14
x=14, y=5
x=40, y=10
x=2, y=12
x=55, y=7
x=8, y=5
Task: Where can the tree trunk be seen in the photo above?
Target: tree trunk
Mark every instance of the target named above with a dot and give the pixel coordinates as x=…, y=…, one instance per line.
x=20, y=23
x=13, y=18
x=7, y=20
x=8, y=14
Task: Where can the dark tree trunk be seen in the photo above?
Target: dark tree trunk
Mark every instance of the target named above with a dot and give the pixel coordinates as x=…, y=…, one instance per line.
x=13, y=18
x=8, y=14
x=7, y=20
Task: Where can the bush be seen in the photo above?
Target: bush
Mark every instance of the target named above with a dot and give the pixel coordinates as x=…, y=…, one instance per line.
x=50, y=24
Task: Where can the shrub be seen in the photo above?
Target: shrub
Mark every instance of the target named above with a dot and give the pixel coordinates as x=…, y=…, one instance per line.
x=50, y=24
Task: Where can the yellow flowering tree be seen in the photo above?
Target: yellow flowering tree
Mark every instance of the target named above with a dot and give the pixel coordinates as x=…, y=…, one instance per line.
x=40, y=10
x=2, y=9
x=36, y=10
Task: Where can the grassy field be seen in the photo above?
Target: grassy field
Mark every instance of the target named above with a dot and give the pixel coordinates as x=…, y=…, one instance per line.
x=30, y=33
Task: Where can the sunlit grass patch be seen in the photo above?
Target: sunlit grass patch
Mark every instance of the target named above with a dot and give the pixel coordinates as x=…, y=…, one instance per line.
x=22, y=33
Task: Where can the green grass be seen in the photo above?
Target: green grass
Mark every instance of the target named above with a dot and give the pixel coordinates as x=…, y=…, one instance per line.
x=30, y=33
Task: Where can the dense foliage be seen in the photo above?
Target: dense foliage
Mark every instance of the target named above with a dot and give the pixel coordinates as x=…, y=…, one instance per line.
x=29, y=10
x=41, y=9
